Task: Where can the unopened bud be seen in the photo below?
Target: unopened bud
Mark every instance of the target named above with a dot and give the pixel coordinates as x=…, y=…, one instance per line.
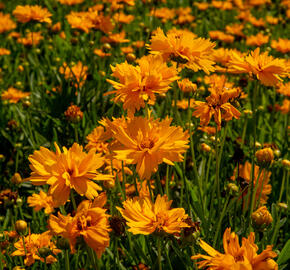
x=286, y=163
x=205, y=147
x=262, y=217
x=130, y=57
x=20, y=226
x=16, y=179
x=265, y=156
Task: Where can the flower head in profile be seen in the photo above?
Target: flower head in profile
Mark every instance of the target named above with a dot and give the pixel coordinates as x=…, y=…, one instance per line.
x=90, y=222
x=218, y=103
x=266, y=68
x=13, y=95
x=146, y=217
x=31, y=39
x=77, y=72
x=236, y=256
x=41, y=200
x=70, y=2
x=147, y=143
x=71, y=169
x=28, y=13
x=263, y=188
x=33, y=242
x=184, y=48
x=281, y=45
x=139, y=84
x=6, y=24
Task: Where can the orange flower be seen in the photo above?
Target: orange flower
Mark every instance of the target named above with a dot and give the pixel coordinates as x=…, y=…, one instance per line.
x=6, y=24
x=145, y=217
x=201, y=5
x=13, y=95
x=222, y=5
x=31, y=38
x=41, y=200
x=235, y=29
x=221, y=36
x=148, y=142
x=138, y=84
x=236, y=257
x=285, y=108
x=90, y=222
x=123, y=18
x=33, y=242
x=263, y=189
x=164, y=13
x=28, y=13
x=267, y=68
x=282, y=45
x=115, y=38
x=257, y=40
x=72, y=169
x=184, y=48
x=97, y=140
x=77, y=72
x=70, y=2
x=73, y=113
x=217, y=104
x=272, y=20
x=100, y=53
x=284, y=89
x=79, y=20
x=186, y=85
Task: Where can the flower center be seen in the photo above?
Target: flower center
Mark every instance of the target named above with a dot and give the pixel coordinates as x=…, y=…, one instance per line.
x=147, y=144
x=84, y=222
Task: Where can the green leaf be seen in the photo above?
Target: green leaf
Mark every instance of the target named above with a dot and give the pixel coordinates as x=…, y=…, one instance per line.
x=285, y=254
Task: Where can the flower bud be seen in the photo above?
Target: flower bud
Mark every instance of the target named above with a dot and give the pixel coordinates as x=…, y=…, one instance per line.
x=262, y=217
x=20, y=226
x=106, y=47
x=130, y=57
x=16, y=179
x=44, y=252
x=277, y=153
x=118, y=225
x=282, y=206
x=205, y=148
x=62, y=243
x=265, y=156
x=232, y=188
x=109, y=184
x=286, y=163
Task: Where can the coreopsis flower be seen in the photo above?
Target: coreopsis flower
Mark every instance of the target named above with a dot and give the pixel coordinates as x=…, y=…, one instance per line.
x=265, y=67
x=184, y=103
x=145, y=217
x=70, y=2
x=285, y=108
x=186, y=85
x=164, y=13
x=184, y=48
x=235, y=29
x=183, y=15
x=201, y=5
x=222, y=5
x=147, y=143
x=34, y=242
x=265, y=156
x=79, y=20
x=115, y=38
x=272, y=20
x=73, y=113
x=4, y=51
x=97, y=140
x=218, y=103
x=77, y=72
x=139, y=84
x=90, y=223
x=284, y=89
x=31, y=39
x=71, y=169
x=29, y=13
x=121, y=17
x=262, y=217
x=13, y=95
x=257, y=40
x=281, y=45
x=236, y=257
x=6, y=24
x=41, y=200
x=219, y=35
x=263, y=188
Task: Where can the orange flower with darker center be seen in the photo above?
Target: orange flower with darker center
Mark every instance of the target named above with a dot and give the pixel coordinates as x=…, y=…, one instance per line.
x=139, y=84
x=266, y=68
x=184, y=48
x=147, y=143
x=218, y=103
x=6, y=24
x=70, y=169
x=29, y=13
x=13, y=95
x=77, y=72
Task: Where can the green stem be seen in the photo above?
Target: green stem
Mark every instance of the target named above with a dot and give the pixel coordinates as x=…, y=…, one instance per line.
x=282, y=186
x=220, y=221
x=159, y=239
x=66, y=258
x=167, y=182
x=217, y=179
x=73, y=200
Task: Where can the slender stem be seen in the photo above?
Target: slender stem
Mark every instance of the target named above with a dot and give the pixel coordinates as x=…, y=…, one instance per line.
x=217, y=179
x=220, y=221
x=66, y=257
x=159, y=239
x=167, y=182
x=282, y=186
x=254, y=193
x=76, y=133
